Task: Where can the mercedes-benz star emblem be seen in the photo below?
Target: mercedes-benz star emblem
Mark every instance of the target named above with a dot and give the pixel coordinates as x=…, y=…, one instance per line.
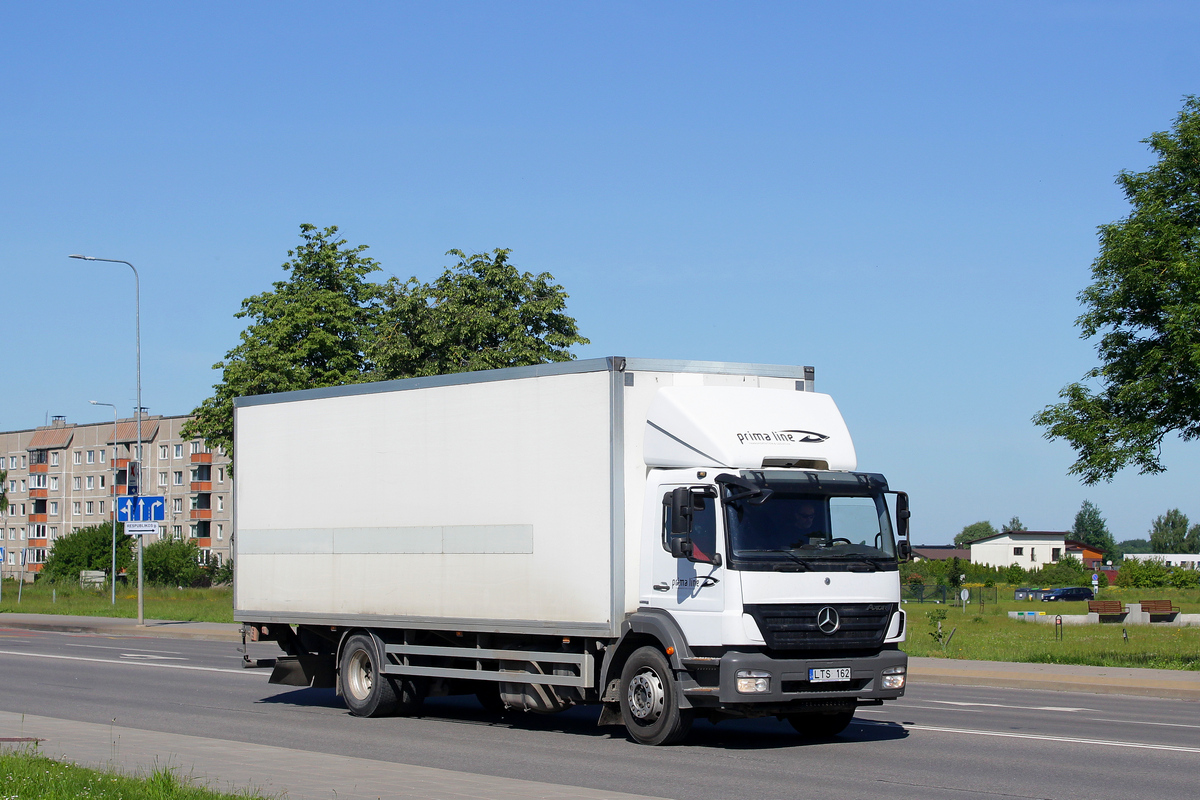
x=827, y=620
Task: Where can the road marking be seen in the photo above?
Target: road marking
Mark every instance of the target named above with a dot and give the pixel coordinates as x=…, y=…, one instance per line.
x=243, y=672
x=1002, y=705
x=1142, y=722
x=1041, y=737
x=109, y=647
x=149, y=657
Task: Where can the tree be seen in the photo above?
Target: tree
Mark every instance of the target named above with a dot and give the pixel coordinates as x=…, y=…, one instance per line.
x=1015, y=524
x=311, y=330
x=1091, y=529
x=1134, y=546
x=1168, y=533
x=87, y=548
x=172, y=562
x=974, y=532
x=1144, y=303
x=480, y=314
x=3, y=491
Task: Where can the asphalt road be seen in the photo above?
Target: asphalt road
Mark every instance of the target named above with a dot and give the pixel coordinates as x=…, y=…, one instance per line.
x=937, y=742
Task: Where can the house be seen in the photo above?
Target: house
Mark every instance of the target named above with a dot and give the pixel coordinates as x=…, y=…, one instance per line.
x=1090, y=556
x=1185, y=560
x=940, y=552
x=1026, y=549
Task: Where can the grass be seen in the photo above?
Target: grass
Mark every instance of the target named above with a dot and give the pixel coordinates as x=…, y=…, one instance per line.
x=989, y=635
x=188, y=605
x=25, y=774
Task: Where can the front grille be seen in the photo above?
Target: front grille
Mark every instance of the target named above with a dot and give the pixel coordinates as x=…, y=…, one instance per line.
x=793, y=626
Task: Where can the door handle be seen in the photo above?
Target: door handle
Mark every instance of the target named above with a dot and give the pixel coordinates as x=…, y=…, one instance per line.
x=662, y=587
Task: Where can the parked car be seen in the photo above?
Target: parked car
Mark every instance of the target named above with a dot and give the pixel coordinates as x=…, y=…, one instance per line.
x=1073, y=593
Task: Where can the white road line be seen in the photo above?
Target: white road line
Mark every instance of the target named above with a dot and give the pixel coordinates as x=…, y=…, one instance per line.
x=1003, y=705
x=134, y=649
x=1142, y=722
x=245, y=673
x=1042, y=738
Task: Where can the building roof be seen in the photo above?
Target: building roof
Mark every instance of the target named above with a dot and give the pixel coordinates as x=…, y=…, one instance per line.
x=127, y=430
x=941, y=552
x=1021, y=535
x=1075, y=544
x=51, y=438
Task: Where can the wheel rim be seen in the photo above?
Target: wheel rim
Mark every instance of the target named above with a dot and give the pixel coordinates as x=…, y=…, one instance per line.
x=358, y=679
x=646, y=696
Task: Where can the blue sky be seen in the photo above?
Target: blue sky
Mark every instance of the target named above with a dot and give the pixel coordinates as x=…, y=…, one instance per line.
x=903, y=195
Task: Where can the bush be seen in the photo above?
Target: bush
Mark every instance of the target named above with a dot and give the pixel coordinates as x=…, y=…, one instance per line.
x=87, y=548
x=173, y=562
x=1149, y=574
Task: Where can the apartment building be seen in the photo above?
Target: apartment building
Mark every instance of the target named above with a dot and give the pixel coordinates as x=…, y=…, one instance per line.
x=64, y=476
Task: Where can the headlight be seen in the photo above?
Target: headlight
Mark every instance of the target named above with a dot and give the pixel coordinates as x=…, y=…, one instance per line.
x=893, y=677
x=753, y=681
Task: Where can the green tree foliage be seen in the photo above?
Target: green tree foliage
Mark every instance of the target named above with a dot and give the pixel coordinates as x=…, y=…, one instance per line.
x=974, y=532
x=87, y=548
x=173, y=562
x=1144, y=303
x=480, y=314
x=1091, y=529
x=3, y=491
x=1169, y=533
x=1015, y=524
x=1134, y=546
x=1067, y=571
x=311, y=330
x=1148, y=574
x=1014, y=575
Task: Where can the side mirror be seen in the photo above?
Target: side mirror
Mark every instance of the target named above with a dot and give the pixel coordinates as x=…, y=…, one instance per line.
x=903, y=550
x=681, y=547
x=902, y=515
x=681, y=511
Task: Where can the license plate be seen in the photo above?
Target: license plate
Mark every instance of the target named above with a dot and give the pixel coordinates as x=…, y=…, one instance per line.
x=829, y=675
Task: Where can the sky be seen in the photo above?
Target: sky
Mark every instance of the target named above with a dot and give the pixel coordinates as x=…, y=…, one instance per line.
x=903, y=195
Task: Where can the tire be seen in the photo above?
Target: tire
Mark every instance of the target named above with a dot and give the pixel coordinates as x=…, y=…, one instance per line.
x=821, y=726
x=366, y=691
x=649, y=706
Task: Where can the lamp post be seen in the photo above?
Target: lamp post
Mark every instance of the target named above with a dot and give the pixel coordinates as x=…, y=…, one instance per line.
x=137, y=306
x=113, y=579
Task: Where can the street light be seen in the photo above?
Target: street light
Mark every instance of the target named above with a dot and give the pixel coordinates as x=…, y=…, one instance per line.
x=137, y=305
x=113, y=580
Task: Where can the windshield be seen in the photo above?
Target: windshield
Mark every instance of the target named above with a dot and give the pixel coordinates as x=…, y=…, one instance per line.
x=805, y=524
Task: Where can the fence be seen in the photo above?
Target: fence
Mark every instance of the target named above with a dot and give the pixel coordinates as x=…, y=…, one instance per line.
x=918, y=593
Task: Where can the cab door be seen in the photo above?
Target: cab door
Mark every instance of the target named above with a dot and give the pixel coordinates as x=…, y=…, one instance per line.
x=692, y=589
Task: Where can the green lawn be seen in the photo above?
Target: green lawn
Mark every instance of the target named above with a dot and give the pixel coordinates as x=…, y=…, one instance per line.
x=990, y=635
x=24, y=774
x=191, y=605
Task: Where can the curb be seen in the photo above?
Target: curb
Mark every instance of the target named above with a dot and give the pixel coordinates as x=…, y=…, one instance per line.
x=153, y=628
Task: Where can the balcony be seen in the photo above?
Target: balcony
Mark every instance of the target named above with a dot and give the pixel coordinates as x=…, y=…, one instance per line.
x=36, y=468
x=38, y=518
x=201, y=513
x=35, y=542
x=203, y=541
x=201, y=458
x=40, y=493
x=201, y=486
x=121, y=463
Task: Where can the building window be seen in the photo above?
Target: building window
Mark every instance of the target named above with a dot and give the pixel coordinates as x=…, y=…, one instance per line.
x=220, y=502
x=54, y=508
x=1033, y=554
x=162, y=479
x=195, y=448
x=91, y=457
x=1055, y=553
x=101, y=481
x=1018, y=551
x=177, y=505
x=75, y=508
x=54, y=532
x=220, y=531
x=54, y=459
x=77, y=483
x=90, y=507
x=101, y=506
x=179, y=477
x=37, y=532
x=12, y=462
x=12, y=486
x=77, y=457
x=22, y=484
x=220, y=474
x=103, y=455
x=179, y=451
x=23, y=462
x=37, y=481
x=91, y=482
x=54, y=483
x=163, y=452
x=177, y=531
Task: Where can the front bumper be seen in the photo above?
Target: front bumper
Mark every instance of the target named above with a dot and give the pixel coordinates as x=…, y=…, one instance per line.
x=716, y=681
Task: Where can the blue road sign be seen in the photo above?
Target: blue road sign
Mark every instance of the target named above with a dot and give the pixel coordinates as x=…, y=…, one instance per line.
x=141, y=509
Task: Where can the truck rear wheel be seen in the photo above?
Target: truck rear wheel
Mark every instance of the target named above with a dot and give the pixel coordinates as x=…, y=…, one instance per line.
x=649, y=706
x=821, y=726
x=366, y=690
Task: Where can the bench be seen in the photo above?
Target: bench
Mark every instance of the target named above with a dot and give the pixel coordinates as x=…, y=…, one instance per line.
x=1159, y=607
x=1106, y=608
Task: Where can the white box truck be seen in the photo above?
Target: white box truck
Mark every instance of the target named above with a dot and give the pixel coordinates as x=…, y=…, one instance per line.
x=669, y=539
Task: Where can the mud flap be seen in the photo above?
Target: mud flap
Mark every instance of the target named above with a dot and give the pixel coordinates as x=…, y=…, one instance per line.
x=308, y=670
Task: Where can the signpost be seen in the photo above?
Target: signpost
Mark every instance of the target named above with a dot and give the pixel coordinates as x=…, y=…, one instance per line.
x=142, y=528
x=147, y=508
x=1095, y=583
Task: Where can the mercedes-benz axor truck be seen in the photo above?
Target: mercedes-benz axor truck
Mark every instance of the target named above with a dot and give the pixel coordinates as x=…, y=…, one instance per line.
x=667, y=539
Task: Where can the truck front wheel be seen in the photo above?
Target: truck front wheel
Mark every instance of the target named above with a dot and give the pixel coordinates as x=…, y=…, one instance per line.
x=366, y=690
x=649, y=706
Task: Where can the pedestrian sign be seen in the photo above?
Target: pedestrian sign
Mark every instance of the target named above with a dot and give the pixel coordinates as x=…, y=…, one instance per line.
x=141, y=509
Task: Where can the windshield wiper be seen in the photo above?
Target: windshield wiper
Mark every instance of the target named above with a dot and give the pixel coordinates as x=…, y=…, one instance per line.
x=801, y=561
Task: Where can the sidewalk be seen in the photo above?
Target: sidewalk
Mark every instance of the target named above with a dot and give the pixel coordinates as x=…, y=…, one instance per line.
x=273, y=771
x=1055, y=677
x=120, y=626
